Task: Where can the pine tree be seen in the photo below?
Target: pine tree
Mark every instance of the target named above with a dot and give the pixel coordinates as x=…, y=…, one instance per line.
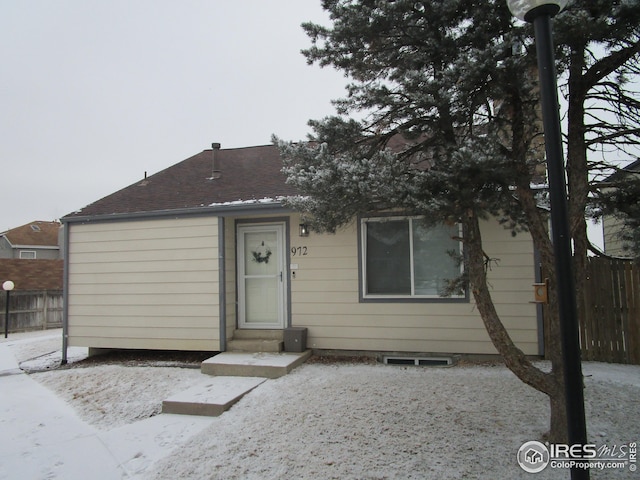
x=455, y=80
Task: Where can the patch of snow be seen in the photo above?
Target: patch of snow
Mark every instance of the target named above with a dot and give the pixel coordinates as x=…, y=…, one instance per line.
x=341, y=421
x=53, y=358
x=41, y=349
x=108, y=396
x=375, y=422
x=39, y=430
x=611, y=372
x=139, y=445
x=253, y=201
x=257, y=359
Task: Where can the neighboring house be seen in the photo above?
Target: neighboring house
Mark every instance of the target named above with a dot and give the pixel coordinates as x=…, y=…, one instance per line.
x=191, y=256
x=34, y=241
x=30, y=257
x=612, y=227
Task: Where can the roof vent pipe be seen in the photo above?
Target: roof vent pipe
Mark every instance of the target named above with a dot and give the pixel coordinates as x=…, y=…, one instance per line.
x=216, y=172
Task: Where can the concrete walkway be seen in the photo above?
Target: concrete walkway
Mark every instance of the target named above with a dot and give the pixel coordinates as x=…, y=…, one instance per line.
x=41, y=437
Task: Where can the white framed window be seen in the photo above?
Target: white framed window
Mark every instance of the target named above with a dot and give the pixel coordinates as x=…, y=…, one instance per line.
x=27, y=254
x=403, y=258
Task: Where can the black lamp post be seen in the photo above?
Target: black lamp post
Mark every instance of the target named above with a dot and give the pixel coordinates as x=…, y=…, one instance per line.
x=539, y=12
x=7, y=287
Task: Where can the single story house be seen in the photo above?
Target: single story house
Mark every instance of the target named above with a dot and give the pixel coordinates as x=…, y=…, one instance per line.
x=189, y=257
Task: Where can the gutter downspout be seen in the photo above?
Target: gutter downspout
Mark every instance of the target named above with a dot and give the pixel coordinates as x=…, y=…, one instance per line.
x=222, y=286
x=65, y=293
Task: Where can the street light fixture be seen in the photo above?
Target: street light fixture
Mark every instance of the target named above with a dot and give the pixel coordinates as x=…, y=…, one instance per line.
x=7, y=287
x=539, y=12
x=527, y=10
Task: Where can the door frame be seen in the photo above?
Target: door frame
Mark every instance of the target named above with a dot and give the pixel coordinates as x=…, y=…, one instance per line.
x=285, y=290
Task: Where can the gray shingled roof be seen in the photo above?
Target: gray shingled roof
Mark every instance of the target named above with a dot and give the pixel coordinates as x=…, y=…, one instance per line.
x=251, y=173
x=36, y=234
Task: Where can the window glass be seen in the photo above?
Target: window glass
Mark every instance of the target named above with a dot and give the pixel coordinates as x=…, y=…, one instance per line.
x=433, y=257
x=388, y=261
x=403, y=257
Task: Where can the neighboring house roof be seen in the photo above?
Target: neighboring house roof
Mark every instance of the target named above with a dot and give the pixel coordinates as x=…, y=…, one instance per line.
x=620, y=174
x=633, y=166
x=34, y=234
x=247, y=174
x=32, y=274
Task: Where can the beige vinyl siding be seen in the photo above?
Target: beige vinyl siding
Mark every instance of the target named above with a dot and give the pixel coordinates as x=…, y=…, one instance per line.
x=149, y=284
x=325, y=299
x=613, y=244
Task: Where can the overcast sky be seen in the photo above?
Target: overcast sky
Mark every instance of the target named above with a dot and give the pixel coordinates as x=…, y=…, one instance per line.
x=96, y=92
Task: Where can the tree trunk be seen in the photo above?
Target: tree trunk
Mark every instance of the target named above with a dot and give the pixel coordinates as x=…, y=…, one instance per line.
x=537, y=221
x=550, y=383
x=558, y=426
x=558, y=421
x=578, y=172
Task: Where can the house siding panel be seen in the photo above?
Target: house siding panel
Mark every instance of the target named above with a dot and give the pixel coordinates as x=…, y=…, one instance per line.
x=325, y=299
x=613, y=243
x=149, y=284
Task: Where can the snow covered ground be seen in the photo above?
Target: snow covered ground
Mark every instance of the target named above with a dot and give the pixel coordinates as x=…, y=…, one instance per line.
x=325, y=421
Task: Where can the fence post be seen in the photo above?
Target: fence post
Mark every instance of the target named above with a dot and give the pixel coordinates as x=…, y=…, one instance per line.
x=45, y=309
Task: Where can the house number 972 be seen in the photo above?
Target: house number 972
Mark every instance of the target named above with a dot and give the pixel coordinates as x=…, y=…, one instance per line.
x=298, y=251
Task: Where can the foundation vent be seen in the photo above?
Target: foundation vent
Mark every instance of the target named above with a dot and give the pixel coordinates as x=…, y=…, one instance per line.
x=418, y=361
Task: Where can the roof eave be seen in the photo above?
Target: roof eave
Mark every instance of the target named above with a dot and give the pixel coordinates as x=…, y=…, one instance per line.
x=256, y=208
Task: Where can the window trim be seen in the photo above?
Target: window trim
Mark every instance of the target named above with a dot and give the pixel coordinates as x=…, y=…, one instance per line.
x=31, y=252
x=362, y=271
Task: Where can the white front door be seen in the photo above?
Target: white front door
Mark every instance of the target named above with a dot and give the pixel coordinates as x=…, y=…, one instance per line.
x=261, y=276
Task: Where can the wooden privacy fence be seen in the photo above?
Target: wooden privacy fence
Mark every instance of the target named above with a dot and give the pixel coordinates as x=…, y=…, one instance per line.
x=32, y=310
x=610, y=327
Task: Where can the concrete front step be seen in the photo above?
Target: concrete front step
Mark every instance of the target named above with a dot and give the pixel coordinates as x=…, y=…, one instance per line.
x=255, y=345
x=253, y=334
x=211, y=398
x=268, y=365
